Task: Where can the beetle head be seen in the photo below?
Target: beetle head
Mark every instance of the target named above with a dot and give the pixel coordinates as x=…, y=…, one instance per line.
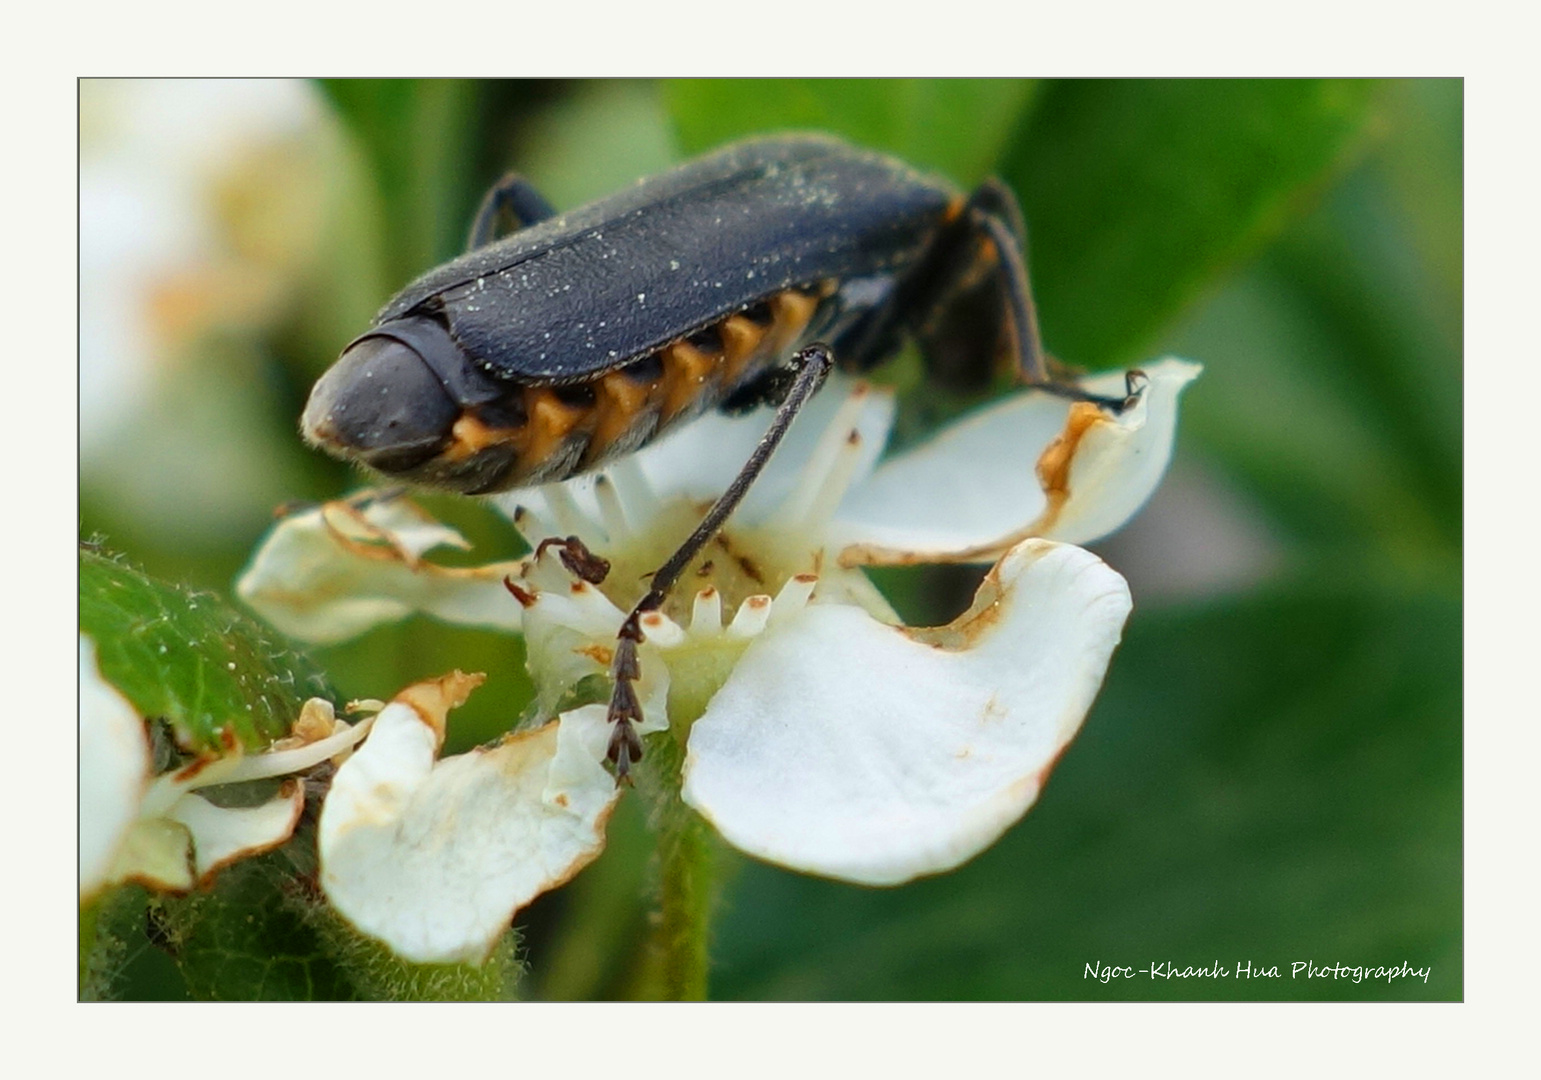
x=383, y=404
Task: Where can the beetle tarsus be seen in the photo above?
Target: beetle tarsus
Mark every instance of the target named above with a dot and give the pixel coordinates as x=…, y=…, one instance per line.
x=625, y=710
x=582, y=563
x=995, y=213
x=1135, y=382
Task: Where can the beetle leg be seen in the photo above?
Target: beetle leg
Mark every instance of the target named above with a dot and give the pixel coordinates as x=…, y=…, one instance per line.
x=809, y=367
x=580, y=562
x=994, y=211
x=512, y=199
x=1011, y=254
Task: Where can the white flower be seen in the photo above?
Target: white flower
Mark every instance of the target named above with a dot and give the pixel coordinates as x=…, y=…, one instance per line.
x=136, y=826
x=819, y=733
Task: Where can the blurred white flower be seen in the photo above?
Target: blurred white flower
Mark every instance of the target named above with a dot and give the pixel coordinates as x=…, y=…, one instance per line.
x=819, y=734
x=201, y=208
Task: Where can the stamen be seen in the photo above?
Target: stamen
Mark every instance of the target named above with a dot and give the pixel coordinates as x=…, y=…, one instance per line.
x=828, y=474
x=793, y=597
x=580, y=607
x=570, y=518
x=533, y=527
x=706, y=614
x=612, y=514
x=633, y=491
x=661, y=630
x=283, y=762
x=751, y=617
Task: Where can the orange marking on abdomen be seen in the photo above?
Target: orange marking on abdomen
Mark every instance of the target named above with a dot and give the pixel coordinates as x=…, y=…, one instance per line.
x=621, y=402
x=741, y=338
x=471, y=436
x=687, y=373
x=551, y=422
x=791, y=311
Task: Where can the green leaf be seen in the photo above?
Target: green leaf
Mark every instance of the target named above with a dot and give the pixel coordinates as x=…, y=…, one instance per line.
x=417, y=135
x=250, y=938
x=265, y=933
x=1333, y=386
x=955, y=126
x=190, y=658
x=1274, y=781
x=1138, y=192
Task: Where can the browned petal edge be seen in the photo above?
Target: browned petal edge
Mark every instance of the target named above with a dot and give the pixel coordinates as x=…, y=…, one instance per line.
x=229, y=747
x=432, y=699
x=293, y=790
x=984, y=613
x=1053, y=470
x=1042, y=776
x=1055, y=461
x=152, y=882
x=381, y=545
x=601, y=821
x=588, y=855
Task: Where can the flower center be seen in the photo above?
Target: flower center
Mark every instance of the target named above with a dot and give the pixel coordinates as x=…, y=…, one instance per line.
x=738, y=563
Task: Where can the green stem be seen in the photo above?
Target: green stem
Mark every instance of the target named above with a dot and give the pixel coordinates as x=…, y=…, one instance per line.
x=675, y=952
x=679, y=938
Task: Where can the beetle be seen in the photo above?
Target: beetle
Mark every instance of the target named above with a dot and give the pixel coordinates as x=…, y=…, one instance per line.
x=736, y=280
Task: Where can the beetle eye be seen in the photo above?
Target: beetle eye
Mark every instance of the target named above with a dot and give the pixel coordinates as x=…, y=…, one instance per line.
x=381, y=404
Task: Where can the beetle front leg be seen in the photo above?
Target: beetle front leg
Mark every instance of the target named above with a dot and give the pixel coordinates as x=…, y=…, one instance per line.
x=512, y=199
x=809, y=367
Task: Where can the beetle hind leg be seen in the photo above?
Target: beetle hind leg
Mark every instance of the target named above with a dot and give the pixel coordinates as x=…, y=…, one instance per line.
x=808, y=370
x=511, y=204
x=993, y=212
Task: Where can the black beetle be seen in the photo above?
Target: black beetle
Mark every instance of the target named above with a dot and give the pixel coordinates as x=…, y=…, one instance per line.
x=581, y=337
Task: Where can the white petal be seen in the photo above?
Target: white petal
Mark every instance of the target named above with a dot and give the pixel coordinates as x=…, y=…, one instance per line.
x=114, y=769
x=221, y=835
x=1032, y=465
x=154, y=853
x=569, y=634
x=434, y=858
x=331, y=573
x=703, y=458
x=859, y=751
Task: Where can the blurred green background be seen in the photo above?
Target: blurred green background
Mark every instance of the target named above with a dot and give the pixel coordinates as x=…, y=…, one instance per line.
x=1272, y=773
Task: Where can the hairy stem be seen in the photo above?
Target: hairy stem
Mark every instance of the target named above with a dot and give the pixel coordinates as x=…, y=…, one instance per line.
x=675, y=953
